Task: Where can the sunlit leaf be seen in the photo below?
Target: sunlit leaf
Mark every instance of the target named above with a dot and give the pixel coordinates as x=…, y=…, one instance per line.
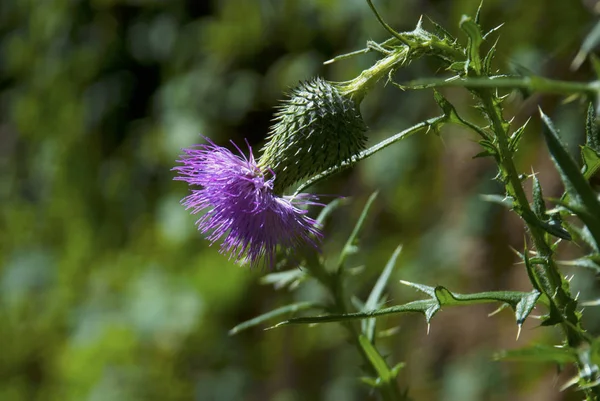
x=591, y=262
x=591, y=162
x=539, y=353
x=589, y=43
x=349, y=247
x=300, y=306
x=538, y=205
x=375, y=358
x=515, y=138
x=583, y=199
x=503, y=200
x=284, y=278
x=592, y=133
x=473, y=31
x=368, y=326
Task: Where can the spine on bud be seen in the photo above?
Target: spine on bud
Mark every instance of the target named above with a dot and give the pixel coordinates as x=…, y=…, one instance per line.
x=318, y=127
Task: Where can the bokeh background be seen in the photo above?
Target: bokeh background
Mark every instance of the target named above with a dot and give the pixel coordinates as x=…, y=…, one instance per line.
x=108, y=292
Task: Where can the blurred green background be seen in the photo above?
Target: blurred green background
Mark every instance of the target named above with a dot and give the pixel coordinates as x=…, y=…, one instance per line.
x=108, y=292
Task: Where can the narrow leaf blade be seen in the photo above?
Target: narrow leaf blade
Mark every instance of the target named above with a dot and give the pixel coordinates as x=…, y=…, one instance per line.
x=349, y=246
x=375, y=358
x=377, y=291
x=296, y=307
x=538, y=353
x=576, y=185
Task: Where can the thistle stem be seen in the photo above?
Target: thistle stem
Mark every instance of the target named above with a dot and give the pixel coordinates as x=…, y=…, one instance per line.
x=370, y=151
x=358, y=87
x=530, y=84
x=547, y=275
x=333, y=283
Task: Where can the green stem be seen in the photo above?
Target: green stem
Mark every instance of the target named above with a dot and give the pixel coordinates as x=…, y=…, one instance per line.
x=547, y=275
x=358, y=87
x=420, y=40
x=530, y=84
x=411, y=45
x=334, y=284
x=369, y=152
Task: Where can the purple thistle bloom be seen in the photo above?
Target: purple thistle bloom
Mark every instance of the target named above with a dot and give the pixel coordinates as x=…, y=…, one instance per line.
x=241, y=206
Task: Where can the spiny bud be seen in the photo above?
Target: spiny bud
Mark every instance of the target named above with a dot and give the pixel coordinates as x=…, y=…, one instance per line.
x=318, y=127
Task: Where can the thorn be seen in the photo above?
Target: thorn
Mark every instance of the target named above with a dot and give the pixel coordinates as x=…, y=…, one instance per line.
x=540, y=111
x=497, y=310
x=574, y=380
x=420, y=23
x=533, y=173
x=516, y=252
x=454, y=78
x=428, y=327
x=274, y=327
x=518, y=332
x=330, y=61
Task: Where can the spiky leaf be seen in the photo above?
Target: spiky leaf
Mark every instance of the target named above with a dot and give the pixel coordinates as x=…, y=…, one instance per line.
x=538, y=206
x=591, y=262
x=591, y=161
x=521, y=302
x=473, y=31
x=584, y=201
x=349, y=247
x=539, y=353
x=515, y=138
x=274, y=313
x=592, y=133
x=487, y=60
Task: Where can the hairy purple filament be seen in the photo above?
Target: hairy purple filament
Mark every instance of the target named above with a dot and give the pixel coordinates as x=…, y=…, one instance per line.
x=241, y=207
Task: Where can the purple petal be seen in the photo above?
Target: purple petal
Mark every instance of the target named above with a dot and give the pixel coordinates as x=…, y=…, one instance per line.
x=240, y=205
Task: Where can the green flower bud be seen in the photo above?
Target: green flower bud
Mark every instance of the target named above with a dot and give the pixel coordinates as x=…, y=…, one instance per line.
x=318, y=127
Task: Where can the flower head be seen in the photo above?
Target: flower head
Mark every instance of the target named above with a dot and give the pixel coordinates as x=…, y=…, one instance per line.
x=240, y=204
x=319, y=126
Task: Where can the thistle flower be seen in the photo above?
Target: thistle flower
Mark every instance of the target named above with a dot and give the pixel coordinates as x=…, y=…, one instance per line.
x=240, y=205
x=318, y=127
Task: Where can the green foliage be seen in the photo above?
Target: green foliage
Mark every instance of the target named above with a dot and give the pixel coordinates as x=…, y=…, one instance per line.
x=292, y=308
x=374, y=301
x=385, y=376
x=591, y=161
x=592, y=133
x=539, y=353
x=106, y=291
x=473, y=63
x=497, y=143
x=589, y=43
x=521, y=302
x=350, y=247
x=583, y=201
